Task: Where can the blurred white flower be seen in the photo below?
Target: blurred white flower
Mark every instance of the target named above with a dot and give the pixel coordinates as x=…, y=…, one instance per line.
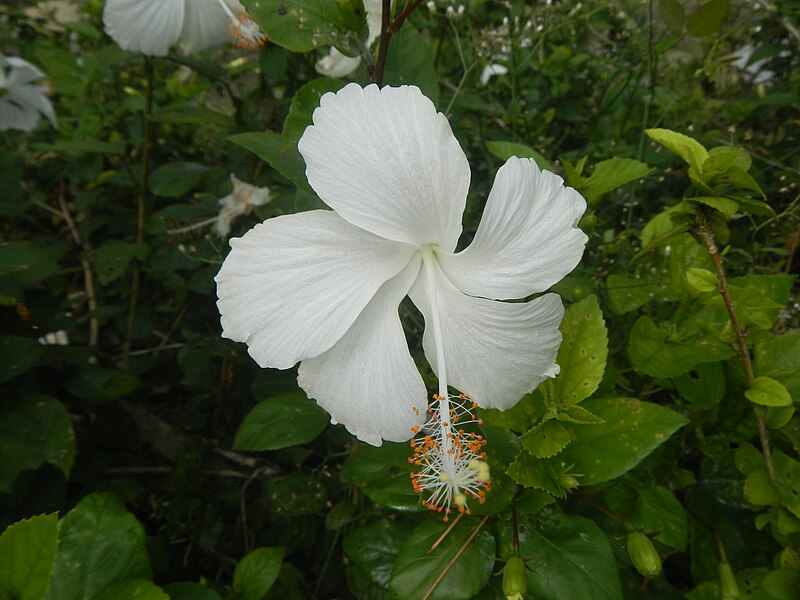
x=336, y=64
x=55, y=338
x=240, y=201
x=490, y=71
x=152, y=27
x=754, y=69
x=21, y=99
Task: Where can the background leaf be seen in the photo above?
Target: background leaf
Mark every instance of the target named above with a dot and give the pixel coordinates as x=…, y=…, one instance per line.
x=280, y=422
x=27, y=553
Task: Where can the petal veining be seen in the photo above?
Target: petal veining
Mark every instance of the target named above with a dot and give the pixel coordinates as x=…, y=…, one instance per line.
x=495, y=351
x=368, y=381
x=527, y=239
x=207, y=23
x=293, y=285
x=386, y=161
x=146, y=26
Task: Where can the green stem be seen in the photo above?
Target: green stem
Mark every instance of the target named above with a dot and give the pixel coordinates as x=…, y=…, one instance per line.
x=141, y=200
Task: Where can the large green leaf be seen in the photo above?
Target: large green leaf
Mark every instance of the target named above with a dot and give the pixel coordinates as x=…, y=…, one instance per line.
x=303, y=25
x=708, y=18
x=304, y=102
x=112, y=258
x=268, y=145
x=382, y=473
x=99, y=544
x=569, y=557
x=176, y=178
x=582, y=354
x=27, y=553
x=256, y=573
x=30, y=262
x=416, y=568
x=632, y=430
x=280, y=422
x=657, y=510
x=768, y=392
x=409, y=61
x=17, y=355
x=689, y=149
x=610, y=174
x=132, y=589
x=34, y=429
x=505, y=150
x=779, y=357
x=372, y=549
x=653, y=353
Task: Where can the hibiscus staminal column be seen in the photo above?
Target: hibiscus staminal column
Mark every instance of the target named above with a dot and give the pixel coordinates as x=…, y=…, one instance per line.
x=244, y=31
x=451, y=459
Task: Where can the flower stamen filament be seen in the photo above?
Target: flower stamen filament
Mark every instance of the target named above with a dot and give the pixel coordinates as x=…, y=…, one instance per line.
x=244, y=31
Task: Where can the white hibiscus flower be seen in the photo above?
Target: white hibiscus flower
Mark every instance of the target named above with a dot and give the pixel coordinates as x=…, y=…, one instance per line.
x=323, y=287
x=152, y=27
x=23, y=97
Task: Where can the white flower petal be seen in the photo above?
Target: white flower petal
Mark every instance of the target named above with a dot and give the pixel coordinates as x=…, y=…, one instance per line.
x=374, y=9
x=21, y=72
x=34, y=97
x=490, y=71
x=15, y=116
x=292, y=285
x=146, y=26
x=335, y=64
x=207, y=24
x=386, y=161
x=494, y=351
x=527, y=239
x=368, y=381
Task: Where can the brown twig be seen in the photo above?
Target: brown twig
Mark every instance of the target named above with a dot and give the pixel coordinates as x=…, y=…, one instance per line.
x=453, y=560
x=707, y=237
x=88, y=275
x=445, y=534
x=389, y=28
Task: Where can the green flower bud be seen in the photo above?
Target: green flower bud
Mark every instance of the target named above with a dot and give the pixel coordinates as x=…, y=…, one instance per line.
x=643, y=554
x=728, y=589
x=567, y=481
x=515, y=578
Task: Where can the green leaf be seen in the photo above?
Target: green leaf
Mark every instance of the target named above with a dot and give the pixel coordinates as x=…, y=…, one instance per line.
x=268, y=145
x=629, y=293
x=689, y=149
x=703, y=386
x=610, y=174
x=382, y=473
x=632, y=430
x=672, y=14
x=409, y=61
x=758, y=489
x=702, y=280
x=652, y=353
x=27, y=553
x=657, y=510
x=176, y=178
x=571, y=557
x=256, y=573
x=578, y=414
x=505, y=150
x=17, y=355
x=84, y=146
x=30, y=262
x=34, y=430
x=753, y=207
x=768, y=392
x=726, y=206
x=280, y=422
x=301, y=25
x=582, y=354
x=372, y=549
x=98, y=384
x=190, y=591
x=547, y=439
x=535, y=473
x=99, y=544
x=708, y=18
x=192, y=115
x=779, y=358
x=112, y=258
x=304, y=102
x=132, y=589
x=416, y=568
